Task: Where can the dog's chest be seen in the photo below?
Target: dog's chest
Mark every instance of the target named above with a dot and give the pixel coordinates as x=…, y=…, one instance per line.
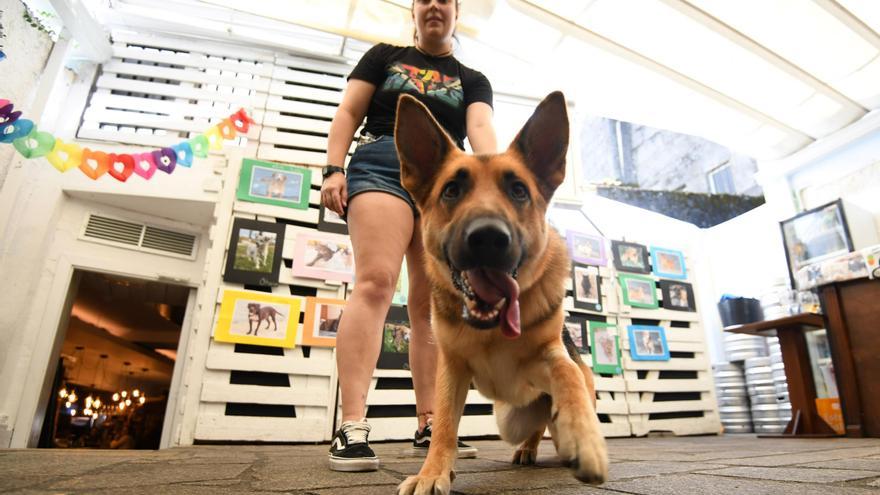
x=503, y=379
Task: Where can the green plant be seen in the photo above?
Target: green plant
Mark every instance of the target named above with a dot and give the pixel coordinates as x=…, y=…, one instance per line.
x=38, y=20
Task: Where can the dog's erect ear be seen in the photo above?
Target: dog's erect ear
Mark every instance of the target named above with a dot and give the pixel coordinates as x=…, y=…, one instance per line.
x=543, y=143
x=422, y=146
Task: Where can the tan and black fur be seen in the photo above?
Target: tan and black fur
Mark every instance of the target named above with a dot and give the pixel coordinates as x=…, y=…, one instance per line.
x=534, y=381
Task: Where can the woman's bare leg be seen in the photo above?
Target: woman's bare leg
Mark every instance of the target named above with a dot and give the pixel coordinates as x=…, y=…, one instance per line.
x=422, y=348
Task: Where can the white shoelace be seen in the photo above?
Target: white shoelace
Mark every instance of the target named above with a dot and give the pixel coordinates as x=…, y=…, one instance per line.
x=356, y=431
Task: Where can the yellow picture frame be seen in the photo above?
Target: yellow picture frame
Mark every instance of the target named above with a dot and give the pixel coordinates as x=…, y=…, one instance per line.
x=321, y=320
x=243, y=314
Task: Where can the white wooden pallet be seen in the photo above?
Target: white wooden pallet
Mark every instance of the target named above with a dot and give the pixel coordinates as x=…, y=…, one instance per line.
x=644, y=394
x=402, y=427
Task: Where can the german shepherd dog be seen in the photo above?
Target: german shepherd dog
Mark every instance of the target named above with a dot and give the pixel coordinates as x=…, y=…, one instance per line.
x=498, y=273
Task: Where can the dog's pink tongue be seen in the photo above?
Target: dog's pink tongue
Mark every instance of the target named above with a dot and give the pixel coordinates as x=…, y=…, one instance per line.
x=491, y=286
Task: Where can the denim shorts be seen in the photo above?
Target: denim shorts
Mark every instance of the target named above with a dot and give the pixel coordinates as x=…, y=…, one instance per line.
x=375, y=167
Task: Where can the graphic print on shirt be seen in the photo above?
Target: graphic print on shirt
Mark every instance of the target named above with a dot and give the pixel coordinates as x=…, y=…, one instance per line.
x=429, y=82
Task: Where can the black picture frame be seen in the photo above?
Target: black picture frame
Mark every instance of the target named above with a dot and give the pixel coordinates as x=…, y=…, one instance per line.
x=673, y=290
x=246, y=256
x=575, y=323
x=329, y=221
x=586, y=278
x=798, y=253
x=623, y=261
x=392, y=355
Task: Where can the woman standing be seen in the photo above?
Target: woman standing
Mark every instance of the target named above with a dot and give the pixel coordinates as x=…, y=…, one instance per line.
x=382, y=218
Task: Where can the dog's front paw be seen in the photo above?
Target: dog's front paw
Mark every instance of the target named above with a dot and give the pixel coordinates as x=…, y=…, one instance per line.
x=582, y=446
x=426, y=485
x=525, y=456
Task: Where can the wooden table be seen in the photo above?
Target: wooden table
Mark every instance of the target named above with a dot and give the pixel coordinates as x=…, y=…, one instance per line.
x=805, y=420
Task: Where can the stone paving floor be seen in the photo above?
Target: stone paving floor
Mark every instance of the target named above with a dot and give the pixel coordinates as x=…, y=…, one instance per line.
x=732, y=464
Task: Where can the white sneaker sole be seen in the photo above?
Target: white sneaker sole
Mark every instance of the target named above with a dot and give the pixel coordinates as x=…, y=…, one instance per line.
x=353, y=465
x=468, y=453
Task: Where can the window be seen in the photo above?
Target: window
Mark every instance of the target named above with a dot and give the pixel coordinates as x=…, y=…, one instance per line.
x=721, y=180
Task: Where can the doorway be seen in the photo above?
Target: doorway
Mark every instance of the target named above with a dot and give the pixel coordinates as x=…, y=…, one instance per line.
x=115, y=367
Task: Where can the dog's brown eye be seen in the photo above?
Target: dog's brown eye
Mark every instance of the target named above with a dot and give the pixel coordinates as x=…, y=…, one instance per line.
x=451, y=191
x=519, y=191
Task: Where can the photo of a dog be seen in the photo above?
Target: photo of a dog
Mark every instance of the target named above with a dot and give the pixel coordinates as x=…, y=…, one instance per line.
x=255, y=250
x=252, y=318
x=498, y=276
x=277, y=184
x=323, y=256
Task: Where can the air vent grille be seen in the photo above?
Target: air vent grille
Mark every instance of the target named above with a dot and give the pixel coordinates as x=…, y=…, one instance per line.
x=139, y=236
x=168, y=240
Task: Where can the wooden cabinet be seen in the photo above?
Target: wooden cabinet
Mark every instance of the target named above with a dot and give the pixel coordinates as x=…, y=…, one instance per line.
x=852, y=314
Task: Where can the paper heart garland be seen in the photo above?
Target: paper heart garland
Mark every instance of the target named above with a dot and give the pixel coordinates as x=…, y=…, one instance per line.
x=199, y=145
x=11, y=131
x=35, y=144
x=166, y=159
x=215, y=139
x=7, y=116
x=121, y=166
x=72, y=151
x=94, y=163
x=241, y=121
x=227, y=129
x=184, y=154
x=145, y=165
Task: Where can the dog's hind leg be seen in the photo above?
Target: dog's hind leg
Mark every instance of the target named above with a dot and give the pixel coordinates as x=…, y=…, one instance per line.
x=524, y=426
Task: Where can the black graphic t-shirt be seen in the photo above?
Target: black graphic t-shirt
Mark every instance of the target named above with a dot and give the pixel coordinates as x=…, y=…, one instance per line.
x=443, y=84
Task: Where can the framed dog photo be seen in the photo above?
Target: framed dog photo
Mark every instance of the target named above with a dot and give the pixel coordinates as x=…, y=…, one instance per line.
x=586, y=249
x=330, y=221
x=274, y=184
x=321, y=321
x=639, y=292
x=668, y=263
x=254, y=254
x=401, y=290
x=587, y=287
x=605, y=348
x=678, y=296
x=630, y=257
x=647, y=343
x=323, y=256
x=394, y=354
x=258, y=318
x=574, y=326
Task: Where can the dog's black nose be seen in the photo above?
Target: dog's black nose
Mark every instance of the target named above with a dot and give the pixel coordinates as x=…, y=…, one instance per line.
x=488, y=240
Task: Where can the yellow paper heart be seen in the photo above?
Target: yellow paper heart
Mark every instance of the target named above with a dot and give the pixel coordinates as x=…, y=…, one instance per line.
x=71, y=151
x=215, y=139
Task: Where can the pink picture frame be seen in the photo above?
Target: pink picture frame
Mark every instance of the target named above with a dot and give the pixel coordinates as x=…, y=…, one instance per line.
x=323, y=256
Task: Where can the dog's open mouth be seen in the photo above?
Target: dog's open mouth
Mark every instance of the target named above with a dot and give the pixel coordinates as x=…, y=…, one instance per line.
x=491, y=298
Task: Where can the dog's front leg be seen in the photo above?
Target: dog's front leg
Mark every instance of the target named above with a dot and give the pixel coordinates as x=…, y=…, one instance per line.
x=435, y=477
x=574, y=424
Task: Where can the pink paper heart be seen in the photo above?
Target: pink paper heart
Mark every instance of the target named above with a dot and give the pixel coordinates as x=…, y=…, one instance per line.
x=145, y=165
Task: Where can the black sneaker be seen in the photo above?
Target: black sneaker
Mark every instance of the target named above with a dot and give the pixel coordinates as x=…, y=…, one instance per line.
x=350, y=449
x=422, y=441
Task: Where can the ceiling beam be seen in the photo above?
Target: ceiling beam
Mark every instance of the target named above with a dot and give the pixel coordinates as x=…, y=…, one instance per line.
x=851, y=21
x=752, y=46
x=93, y=40
x=587, y=36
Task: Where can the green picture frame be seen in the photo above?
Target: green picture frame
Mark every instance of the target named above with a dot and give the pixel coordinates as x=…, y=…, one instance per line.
x=274, y=184
x=638, y=291
x=606, y=350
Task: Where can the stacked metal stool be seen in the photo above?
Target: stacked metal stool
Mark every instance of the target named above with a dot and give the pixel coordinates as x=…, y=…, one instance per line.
x=733, y=398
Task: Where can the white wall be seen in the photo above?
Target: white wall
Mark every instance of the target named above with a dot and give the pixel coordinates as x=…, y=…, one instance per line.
x=26, y=50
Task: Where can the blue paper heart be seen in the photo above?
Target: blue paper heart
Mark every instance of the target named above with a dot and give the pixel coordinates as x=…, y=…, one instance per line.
x=11, y=131
x=184, y=154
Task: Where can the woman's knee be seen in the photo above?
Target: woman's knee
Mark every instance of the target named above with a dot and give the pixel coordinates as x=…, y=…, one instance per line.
x=375, y=285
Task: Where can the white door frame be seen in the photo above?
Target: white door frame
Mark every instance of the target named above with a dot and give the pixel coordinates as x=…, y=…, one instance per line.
x=50, y=337
x=172, y=420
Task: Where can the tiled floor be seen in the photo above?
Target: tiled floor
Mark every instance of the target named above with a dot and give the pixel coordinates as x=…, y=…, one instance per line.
x=732, y=464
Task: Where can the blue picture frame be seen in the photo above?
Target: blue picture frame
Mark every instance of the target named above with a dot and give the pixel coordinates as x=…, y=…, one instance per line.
x=668, y=263
x=647, y=343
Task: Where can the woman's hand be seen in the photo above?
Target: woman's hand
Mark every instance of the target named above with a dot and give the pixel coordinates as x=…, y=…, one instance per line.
x=334, y=193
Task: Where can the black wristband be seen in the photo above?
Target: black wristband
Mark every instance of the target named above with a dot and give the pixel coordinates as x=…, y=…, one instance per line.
x=329, y=170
